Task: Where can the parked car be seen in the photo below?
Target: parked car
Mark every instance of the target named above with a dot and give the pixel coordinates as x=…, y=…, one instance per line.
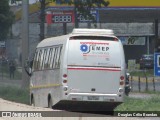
x=147, y=61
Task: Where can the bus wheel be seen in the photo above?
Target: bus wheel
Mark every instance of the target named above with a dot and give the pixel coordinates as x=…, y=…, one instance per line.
x=50, y=102
x=32, y=101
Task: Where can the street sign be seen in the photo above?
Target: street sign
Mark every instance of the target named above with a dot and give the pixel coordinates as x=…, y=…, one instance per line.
x=157, y=64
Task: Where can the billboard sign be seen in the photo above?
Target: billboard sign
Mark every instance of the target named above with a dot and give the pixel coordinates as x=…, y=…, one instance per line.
x=63, y=17
x=116, y=4
x=157, y=64
x=59, y=17
x=133, y=40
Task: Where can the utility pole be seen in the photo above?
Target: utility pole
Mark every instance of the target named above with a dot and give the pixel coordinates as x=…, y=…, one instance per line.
x=157, y=41
x=25, y=39
x=42, y=19
x=75, y=14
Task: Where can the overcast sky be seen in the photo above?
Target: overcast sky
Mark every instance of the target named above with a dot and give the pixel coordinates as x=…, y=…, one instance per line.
x=32, y=1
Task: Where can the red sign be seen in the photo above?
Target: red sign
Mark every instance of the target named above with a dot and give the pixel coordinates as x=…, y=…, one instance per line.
x=49, y=18
x=60, y=17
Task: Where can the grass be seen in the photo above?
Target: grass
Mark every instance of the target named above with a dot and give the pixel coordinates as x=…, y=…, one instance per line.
x=14, y=94
x=135, y=104
x=20, y=95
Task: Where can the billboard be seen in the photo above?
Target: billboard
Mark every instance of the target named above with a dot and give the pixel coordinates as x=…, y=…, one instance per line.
x=123, y=3
x=63, y=17
x=134, y=3
x=133, y=40
x=60, y=17
x=157, y=64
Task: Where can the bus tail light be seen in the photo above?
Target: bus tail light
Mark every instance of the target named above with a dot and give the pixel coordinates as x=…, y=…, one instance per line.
x=65, y=75
x=121, y=82
x=64, y=81
x=64, y=78
x=122, y=78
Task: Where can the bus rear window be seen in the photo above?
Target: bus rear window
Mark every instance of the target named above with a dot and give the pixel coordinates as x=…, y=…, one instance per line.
x=93, y=38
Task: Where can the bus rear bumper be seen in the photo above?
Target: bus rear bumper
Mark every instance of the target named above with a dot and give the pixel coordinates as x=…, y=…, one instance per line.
x=95, y=97
x=90, y=102
x=86, y=106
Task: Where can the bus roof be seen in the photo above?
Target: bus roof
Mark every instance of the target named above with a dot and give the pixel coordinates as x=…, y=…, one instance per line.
x=49, y=41
x=85, y=31
x=76, y=32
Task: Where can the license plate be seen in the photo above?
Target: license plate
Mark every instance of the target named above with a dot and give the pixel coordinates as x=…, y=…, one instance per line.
x=93, y=98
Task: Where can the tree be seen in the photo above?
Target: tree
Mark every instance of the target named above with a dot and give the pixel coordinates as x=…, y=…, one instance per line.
x=83, y=7
x=80, y=6
x=6, y=19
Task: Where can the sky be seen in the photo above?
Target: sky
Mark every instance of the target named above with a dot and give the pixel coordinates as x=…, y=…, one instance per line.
x=32, y=1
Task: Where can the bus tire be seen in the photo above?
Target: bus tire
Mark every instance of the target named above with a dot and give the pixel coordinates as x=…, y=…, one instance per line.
x=32, y=100
x=50, y=102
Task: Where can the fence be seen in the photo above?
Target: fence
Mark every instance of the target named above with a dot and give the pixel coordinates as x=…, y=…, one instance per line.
x=141, y=84
x=5, y=72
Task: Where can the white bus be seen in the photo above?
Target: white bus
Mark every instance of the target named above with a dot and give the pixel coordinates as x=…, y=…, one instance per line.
x=84, y=70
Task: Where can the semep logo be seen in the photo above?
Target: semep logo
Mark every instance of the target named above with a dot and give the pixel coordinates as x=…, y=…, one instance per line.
x=84, y=48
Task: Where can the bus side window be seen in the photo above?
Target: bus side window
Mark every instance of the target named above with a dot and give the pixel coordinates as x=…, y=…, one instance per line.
x=35, y=61
x=51, y=58
x=44, y=59
x=54, y=57
x=47, y=58
x=40, y=60
x=57, y=64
